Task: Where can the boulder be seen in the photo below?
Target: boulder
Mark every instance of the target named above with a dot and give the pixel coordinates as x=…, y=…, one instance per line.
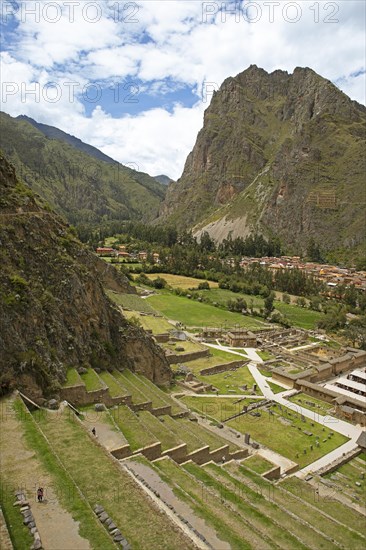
x=112, y=526
x=103, y=517
x=37, y=545
x=118, y=538
x=98, y=509
x=28, y=520
x=52, y=404
x=99, y=407
x=21, y=503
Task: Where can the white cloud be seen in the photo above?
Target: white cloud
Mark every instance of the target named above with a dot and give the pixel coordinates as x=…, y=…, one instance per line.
x=177, y=42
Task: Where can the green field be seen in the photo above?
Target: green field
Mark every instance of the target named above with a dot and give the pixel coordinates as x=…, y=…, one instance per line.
x=180, y=281
x=196, y=314
x=131, y=301
x=308, y=402
x=157, y=325
x=231, y=381
x=284, y=433
x=258, y=464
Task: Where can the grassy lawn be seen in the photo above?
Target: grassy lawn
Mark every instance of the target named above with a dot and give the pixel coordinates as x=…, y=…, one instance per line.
x=91, y=380
x=102, y=480
x=275, y=387
x=188, y=346
x=179, y=281
x=227, y=356
x=265, y=355
x=308, y=402
x=135, y=432
x=216, y=408
x=211, y=361
x=258, y=464
x=72, y=378
x=284, y=433
x=157, y=325
x=231, y=381
x=114, y=388
x=130, y=301
x=193, y=313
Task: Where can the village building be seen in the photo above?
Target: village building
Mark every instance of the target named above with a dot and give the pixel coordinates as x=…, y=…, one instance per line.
x=239, y=338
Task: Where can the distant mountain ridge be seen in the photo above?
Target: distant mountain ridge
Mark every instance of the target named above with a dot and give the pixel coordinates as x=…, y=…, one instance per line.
x=163, y=179
x=279, y=154
x=79, y=181
x=55, y=133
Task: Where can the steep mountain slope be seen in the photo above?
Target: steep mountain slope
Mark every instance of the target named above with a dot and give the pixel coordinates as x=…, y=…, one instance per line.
x=165, y=180
x=278, y=154
x=67, y=173
x=54, y=312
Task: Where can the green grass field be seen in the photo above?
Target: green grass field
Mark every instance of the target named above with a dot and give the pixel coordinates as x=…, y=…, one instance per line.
x=157, y=325
x=131, y=301
x=258, y=464
x=308, y=402
x=115, y=389
x=284, y=433
x=231, y=381
x=196, y=314
x=180, y=281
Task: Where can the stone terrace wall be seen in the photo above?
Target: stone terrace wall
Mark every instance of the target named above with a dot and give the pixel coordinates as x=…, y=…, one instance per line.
x=224, y=367
x=182, y=357
x=79, y=396
x=273, y=473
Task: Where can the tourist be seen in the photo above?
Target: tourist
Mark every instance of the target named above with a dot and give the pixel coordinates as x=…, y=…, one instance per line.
x=40, y=494
x=94, y=432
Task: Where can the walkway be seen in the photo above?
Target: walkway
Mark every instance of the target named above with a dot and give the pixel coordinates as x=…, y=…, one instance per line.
x=22, y=469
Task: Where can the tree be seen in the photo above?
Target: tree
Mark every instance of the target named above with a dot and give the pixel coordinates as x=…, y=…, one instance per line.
x=286, y=298
x=301, y=301
x=268, y=304
x=204, y=286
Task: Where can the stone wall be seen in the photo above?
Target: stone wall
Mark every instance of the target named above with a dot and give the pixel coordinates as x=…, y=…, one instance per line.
x=273, y=473
x=339, y=462
x=162, y=338
x=200, y=456
x=224, y=367
x=160, y=411
x=151, y=452
x=174, y=358
x=121, y=452
x=79, y=396
x=179, y=453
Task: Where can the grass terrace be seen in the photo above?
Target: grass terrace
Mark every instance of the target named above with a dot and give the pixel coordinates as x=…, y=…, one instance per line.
x=130, y=301
x=258, y=464
x=321, y=407
x=231, y=381
x=103, y=481
x=306, y=506
x=91, y=380
x=161, y=431
x=129, y=387
x=115, y=389
x=72, y=378
x=137, y=434
x=158, y=325
x=349, y=479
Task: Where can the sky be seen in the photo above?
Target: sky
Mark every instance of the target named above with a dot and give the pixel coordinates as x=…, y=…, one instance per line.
x=134, y=78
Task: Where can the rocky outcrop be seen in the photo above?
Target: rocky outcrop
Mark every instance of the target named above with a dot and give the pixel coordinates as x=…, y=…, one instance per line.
x=54, y=312
x=278, y=154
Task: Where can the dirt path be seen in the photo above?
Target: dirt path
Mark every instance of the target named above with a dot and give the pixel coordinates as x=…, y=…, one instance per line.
x=107, y=435
x=22, y=469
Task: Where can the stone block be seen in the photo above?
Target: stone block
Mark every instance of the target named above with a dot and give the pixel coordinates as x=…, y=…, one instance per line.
x=103, y=517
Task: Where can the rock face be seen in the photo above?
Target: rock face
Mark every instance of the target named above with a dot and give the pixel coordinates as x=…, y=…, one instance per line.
x=54, y=312
x=278, y=154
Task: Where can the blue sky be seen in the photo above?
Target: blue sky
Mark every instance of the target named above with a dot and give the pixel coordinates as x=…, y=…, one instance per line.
x=131, y=77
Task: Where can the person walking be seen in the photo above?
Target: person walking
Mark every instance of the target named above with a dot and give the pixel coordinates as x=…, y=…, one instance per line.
x=40, y=494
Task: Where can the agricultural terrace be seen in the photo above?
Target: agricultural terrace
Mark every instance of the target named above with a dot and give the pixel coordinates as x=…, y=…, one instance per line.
x=180, y=281
x=131, y=301
x=158, y=325
x=196, y=314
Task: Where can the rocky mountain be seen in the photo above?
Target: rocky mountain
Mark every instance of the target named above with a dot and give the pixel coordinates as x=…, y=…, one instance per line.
x=279, y=154
x=163, y=179
x=54, y=312
x=77, y=180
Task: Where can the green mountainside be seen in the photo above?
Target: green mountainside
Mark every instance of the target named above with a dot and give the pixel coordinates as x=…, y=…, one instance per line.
x=84, y=189
x=54, y=312
x=279, y=154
